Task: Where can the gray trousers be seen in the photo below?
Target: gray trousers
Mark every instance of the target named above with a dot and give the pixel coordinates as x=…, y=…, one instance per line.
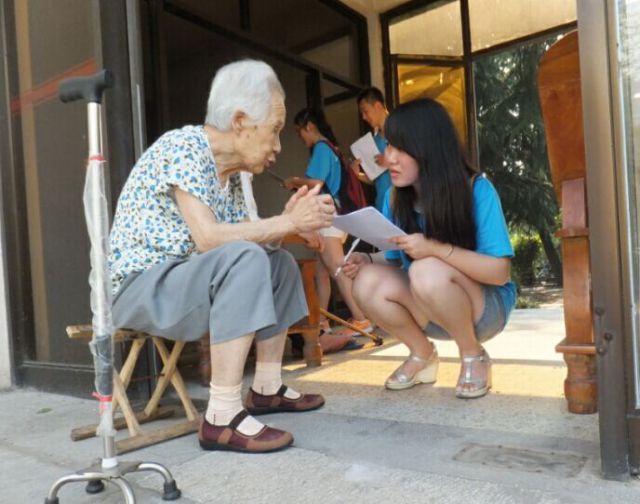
x=230, y=291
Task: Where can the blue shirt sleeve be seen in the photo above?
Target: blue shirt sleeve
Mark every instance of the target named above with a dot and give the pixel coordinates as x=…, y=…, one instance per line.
x=382, y=183
x=325, y=165
x=390, y=255
x=381, y=142
x=492, y=234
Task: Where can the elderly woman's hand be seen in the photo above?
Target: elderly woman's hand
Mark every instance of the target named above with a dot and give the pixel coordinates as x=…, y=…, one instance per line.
x=293, y=199
x=309, y=210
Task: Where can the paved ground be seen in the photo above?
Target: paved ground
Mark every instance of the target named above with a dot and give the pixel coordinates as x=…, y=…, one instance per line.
x=518, y=445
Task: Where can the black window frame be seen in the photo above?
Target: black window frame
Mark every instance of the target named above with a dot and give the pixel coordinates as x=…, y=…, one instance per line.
x=390, y=61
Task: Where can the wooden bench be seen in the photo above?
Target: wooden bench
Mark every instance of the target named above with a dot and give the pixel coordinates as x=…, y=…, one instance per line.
x=132, y=420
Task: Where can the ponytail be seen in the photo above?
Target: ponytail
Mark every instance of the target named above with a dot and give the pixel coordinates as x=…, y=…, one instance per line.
x=317, y=117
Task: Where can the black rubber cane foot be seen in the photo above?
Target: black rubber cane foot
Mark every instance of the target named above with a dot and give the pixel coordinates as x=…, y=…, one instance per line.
x=171, y=491
x=47, y=500
x=94, y=487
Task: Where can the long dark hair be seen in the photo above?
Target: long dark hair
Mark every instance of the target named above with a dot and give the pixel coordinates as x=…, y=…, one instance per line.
x=424, y=130
x=307, y=115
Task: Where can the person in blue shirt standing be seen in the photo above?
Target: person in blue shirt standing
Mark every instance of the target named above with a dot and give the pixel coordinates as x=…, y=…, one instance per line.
x=374, y=112
x=325, y=167
x=449, y=275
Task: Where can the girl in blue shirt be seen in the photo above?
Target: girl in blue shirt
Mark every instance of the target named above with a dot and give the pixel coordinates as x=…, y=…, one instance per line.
x=449, y=275
x=325, y=167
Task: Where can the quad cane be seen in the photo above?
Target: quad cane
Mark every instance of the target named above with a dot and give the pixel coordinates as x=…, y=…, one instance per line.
x=108, y=468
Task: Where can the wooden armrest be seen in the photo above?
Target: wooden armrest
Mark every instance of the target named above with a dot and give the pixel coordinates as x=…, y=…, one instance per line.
x=575, y=348
x=293, y=239
x=296, y=239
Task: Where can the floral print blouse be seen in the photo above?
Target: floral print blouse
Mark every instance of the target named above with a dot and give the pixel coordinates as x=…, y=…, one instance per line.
x=148, y=228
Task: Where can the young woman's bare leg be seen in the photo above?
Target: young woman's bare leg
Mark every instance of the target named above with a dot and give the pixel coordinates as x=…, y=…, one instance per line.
x=323, y=286
x=330, y=341
x=385, y=297
x=454, y=302
x=332, y=257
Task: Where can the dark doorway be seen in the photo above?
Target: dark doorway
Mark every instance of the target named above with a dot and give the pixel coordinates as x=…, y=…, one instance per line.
x=314, y=46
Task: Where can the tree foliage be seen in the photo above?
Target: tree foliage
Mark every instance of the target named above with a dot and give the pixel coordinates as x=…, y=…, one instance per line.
x=512, y=141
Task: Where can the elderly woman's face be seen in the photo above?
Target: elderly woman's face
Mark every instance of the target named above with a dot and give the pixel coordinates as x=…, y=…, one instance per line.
x=260, y=143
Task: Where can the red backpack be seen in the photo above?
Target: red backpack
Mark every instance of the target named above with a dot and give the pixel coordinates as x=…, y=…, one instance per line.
x=351, y=193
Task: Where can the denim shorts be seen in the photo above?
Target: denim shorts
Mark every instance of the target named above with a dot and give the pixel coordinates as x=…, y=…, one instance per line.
x=491, y=322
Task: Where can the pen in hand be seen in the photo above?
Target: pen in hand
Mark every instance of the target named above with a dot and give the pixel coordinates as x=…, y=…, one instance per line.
x=353, y=247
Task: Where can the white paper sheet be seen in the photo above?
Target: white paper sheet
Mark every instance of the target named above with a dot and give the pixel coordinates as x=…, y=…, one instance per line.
x=365, y=149
x=369, y=225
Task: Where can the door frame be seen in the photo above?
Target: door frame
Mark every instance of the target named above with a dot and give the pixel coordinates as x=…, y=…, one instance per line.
x=607, y=196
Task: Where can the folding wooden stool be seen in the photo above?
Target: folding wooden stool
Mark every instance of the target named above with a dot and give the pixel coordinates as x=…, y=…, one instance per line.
x=139, y=438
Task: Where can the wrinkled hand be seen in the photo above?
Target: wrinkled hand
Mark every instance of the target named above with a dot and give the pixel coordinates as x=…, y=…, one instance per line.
x=416, y=245
x=292, y=200
x=309, y=211
x=313, y=241
x=351, y=267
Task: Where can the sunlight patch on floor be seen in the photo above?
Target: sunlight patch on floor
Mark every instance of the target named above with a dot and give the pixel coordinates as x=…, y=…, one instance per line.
x=512, y=379
x=524, y=359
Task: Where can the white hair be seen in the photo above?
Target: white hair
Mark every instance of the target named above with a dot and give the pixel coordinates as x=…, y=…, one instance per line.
x=246, y=86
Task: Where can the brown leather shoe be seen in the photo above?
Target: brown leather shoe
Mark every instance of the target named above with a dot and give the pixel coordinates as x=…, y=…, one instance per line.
x=227, y=437
x=258, y=404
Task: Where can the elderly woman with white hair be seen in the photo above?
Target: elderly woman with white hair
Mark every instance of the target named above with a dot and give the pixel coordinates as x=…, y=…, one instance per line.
x=186, y=260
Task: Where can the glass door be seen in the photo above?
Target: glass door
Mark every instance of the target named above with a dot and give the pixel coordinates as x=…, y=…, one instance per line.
x=443, y=82
x=609, y=40
x=426, y=58
x=629, y=28
x=43, y=177
x=628, y=35
x=43, y=156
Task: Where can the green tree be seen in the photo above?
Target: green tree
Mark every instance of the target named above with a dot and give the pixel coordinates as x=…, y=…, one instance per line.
x=512, y=143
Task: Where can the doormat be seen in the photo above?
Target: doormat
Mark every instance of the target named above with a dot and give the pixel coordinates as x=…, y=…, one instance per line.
x=521, y=459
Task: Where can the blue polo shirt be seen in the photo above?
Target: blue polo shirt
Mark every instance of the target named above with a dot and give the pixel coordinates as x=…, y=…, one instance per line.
x=325, y=165
x=382, y=182
x=492, y=235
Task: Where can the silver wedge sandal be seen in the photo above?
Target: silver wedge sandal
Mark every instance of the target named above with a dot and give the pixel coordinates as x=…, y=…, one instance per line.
x=469, y=376
x=400, y=380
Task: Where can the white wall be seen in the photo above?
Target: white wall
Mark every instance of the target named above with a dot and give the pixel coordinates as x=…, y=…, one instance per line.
x=371, y=9
x=6, y=371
